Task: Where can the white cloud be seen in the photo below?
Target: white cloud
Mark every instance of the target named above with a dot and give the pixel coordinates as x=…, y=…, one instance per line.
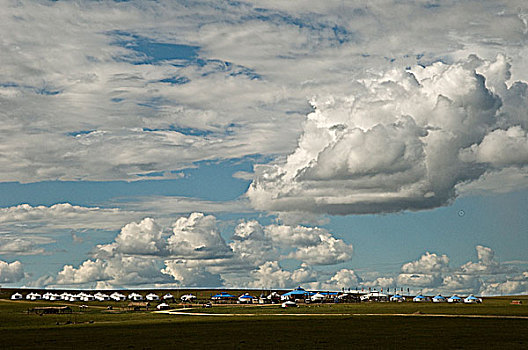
x=142, y=238
x=195, y=254
x=271, y=275
x=431, y=273
x=11, y=272
x=344, y=278
x=197, y=236
x=329, y=251
x=486, y=263
x=500, y=148
x=117, y=271
x=191, y=276
x=506, y=288
x=88, y=271
x=63, y=216
x=394, y=143
x=27, y=245
x=428, y=263
x=68, y=72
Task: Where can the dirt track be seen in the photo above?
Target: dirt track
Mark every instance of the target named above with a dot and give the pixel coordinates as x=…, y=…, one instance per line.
x=179, y=312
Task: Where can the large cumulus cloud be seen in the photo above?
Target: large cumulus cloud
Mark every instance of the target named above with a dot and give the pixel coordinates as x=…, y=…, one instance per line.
x=403, y=140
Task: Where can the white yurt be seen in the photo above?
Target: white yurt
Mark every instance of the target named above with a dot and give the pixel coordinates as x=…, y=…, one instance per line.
x=439, y=299
x=472, y=300
x=289, y=303
x=317, y=297
x=188, y=298
x=454, y=299
x=135, y=297
x=16, y=296
x=420, y=299
x=152, y=297
x=397, y=298
x=168, y=296
x=101, y=297
x=245, y=299
x=118, y=296
x=65, y=296
x=33, y=296
x=163, y=306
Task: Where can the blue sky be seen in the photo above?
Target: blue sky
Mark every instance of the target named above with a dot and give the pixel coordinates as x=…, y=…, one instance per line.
x=265, y=144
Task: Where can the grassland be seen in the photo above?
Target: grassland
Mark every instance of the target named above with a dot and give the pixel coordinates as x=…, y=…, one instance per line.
x=271, y=327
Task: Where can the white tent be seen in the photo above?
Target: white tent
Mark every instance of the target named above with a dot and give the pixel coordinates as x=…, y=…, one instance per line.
x=101, y=297
x=188, y=298
x=75, y=297
x=245, y=299
x=317, y=297
x=439, y=299
x=117, y=296
x=289, y=303
x=472, y=300
x=152, y=297
x=33, y=296
x=16, y=296
x=420, y=299
x=397, y=298
x=454, y=299
x=65, y=296
x=168, y=296
x=54, y=297
x=88, y=297
x=163, y=306
x=135, y=297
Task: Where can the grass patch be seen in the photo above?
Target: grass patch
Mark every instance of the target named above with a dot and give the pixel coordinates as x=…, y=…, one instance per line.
x=98, y=328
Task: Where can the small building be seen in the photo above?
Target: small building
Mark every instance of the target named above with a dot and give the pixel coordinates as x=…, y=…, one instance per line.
x=273, y=298
x=375, y=296
x=52, y=310
x=16, y=296
x=139, y=305
x=439, y=299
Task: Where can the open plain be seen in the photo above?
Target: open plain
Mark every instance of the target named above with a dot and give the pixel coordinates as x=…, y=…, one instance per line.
x=494, y=324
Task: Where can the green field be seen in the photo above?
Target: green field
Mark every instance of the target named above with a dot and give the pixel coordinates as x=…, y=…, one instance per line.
x=268, y=327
